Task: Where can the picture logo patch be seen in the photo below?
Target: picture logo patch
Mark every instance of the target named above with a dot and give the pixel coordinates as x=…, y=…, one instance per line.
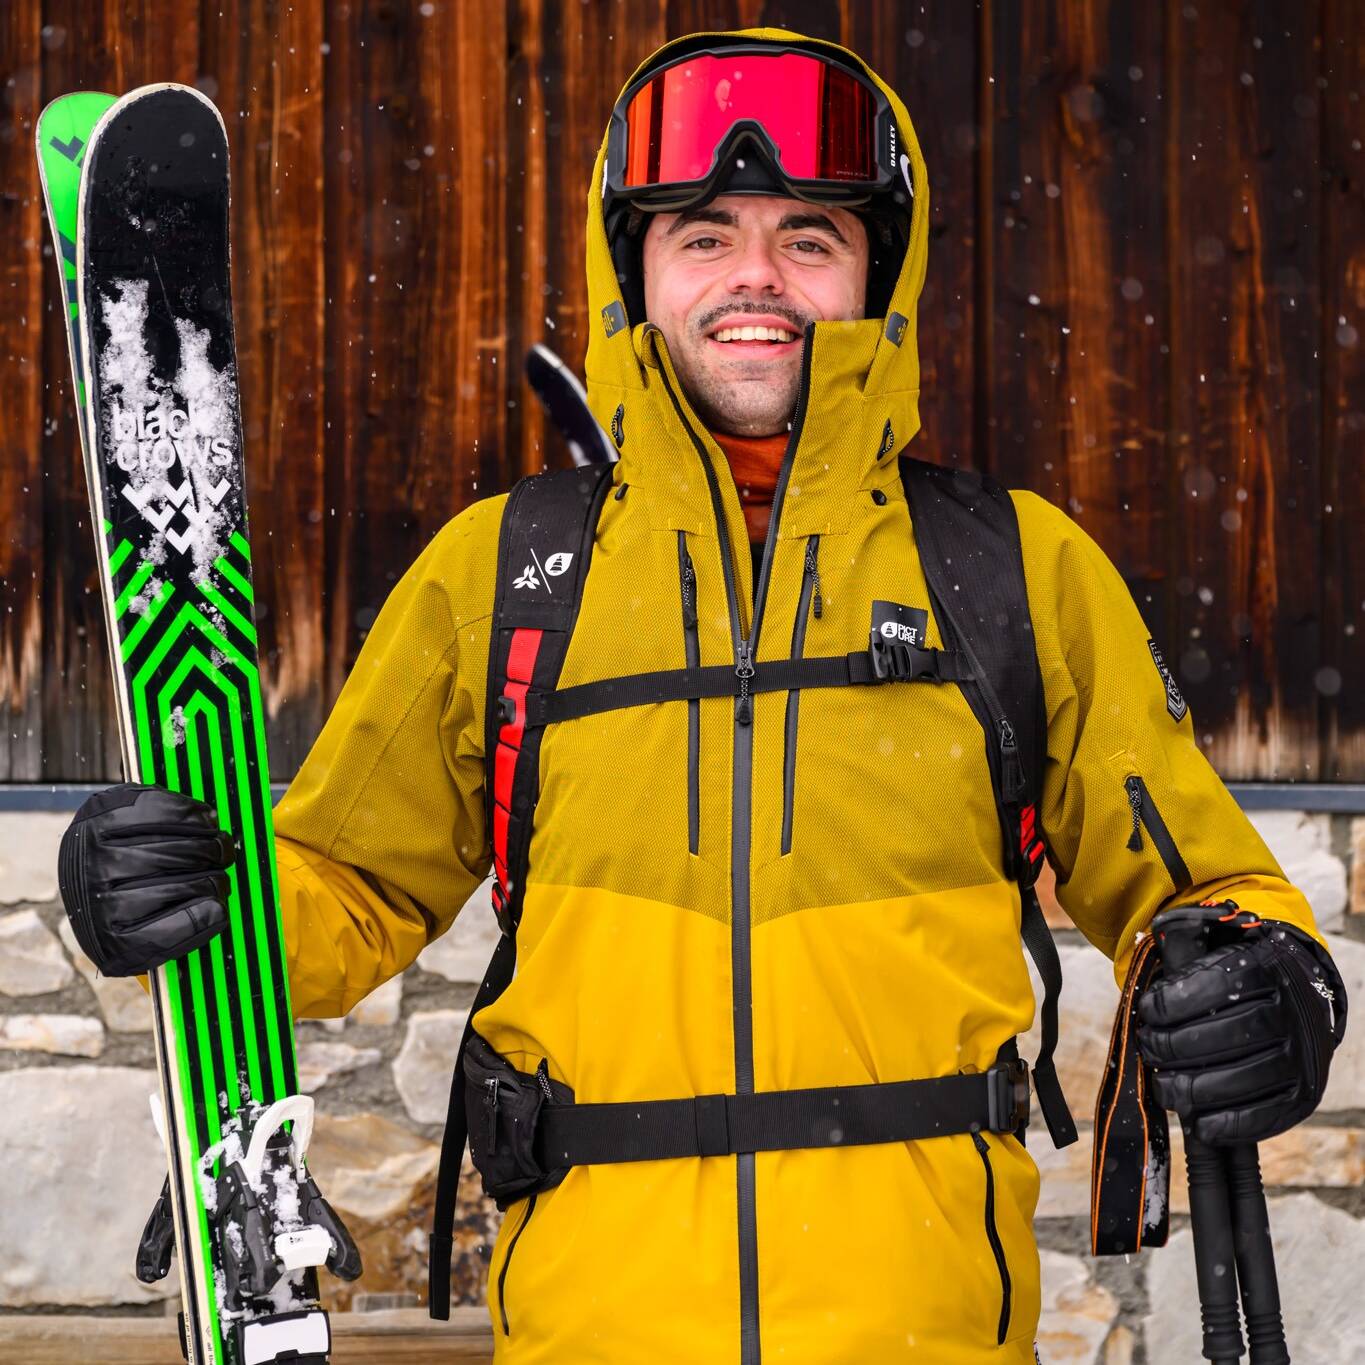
x=900, y=625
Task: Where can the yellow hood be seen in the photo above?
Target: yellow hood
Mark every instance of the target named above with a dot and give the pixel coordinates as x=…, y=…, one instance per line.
x=844, y=445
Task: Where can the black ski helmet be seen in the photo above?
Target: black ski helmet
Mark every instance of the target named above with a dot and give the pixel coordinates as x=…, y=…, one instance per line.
x=844, y=131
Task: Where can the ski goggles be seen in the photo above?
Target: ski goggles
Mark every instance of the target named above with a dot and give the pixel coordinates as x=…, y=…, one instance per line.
x=828, y=129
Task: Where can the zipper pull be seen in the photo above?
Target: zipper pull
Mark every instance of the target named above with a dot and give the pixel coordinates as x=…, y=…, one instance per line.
x=1133, y=786
x=543, y=1077
x=1013, y=765
x=490, y=1098
x=813, y=569
x=744, y=670
x=689, y=602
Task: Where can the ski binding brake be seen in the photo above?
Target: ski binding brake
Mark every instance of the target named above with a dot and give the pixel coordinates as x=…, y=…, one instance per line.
x=271, y=1222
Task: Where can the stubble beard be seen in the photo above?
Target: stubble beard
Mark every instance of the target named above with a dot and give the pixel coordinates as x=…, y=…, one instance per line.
x=739, y=398
x=762, y=405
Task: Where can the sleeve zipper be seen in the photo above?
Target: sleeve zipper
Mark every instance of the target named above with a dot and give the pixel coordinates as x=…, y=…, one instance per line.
x=1135, y=802
x=1145, y=812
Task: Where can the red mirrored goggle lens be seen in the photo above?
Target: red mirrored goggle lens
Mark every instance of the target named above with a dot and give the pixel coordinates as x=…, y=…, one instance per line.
x=820, y=118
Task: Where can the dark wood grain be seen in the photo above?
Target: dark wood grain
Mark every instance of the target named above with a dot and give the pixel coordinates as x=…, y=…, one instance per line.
x=1343, y=349
x=113, y=48
x=263, y=64
x=24, y=284
x=1171, y=183
x=1246, y=382
x=566, y=65
x=1076, y=379
x=928, y=53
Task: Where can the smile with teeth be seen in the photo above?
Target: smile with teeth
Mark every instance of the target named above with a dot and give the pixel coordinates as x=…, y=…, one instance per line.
x=753, y=334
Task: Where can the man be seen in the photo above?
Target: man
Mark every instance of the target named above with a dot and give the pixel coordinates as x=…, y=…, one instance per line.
x=736, y=895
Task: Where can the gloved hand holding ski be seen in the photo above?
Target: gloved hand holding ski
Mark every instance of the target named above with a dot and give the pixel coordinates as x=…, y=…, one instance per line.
x=143, y=876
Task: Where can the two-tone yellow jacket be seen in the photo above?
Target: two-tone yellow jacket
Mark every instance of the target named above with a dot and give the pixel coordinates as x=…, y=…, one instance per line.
x=882, y=944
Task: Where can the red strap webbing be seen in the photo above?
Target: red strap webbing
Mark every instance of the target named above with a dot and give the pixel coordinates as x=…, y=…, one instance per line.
x=521, y=663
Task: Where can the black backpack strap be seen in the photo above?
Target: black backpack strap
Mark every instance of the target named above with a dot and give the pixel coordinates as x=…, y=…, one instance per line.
x=544, y=549
x=495, y=980
x=968, y=537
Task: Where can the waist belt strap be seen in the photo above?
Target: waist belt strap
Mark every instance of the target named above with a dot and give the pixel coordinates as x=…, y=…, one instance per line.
x=781, y=1120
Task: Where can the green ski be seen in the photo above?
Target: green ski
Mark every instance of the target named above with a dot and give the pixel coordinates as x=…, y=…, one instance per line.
x=137, y=194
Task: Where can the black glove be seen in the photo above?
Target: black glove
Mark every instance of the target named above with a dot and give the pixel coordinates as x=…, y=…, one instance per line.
x=142, y=876
x=1240, y=1040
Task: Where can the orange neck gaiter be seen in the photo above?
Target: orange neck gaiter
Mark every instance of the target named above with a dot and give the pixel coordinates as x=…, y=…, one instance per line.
x=754, y=462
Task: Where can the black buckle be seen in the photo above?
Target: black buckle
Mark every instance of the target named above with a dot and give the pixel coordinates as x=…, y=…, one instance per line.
x=1007, y=1096
x=506, y=709
x=893, y=661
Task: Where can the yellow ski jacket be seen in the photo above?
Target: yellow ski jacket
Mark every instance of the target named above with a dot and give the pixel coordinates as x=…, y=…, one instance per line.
x=879, y=942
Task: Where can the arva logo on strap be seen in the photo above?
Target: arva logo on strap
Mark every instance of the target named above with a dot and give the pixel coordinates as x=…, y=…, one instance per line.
x=556, y=565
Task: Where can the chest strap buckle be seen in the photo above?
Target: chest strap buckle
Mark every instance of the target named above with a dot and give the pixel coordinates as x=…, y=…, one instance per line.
x=895, y=661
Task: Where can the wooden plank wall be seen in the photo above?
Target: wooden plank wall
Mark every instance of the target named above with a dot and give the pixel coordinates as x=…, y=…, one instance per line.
x=1146, y=302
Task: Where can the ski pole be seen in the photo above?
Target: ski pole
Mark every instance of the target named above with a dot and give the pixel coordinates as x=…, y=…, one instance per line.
x=1181, y=937
x=1255, y=1256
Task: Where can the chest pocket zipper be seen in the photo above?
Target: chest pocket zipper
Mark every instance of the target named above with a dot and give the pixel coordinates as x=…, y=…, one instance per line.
x=687, y=575
x=993, y=1237
x=502, y=1274
x=811, y=601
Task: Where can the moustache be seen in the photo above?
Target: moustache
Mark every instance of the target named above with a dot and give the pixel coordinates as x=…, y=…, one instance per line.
x=709, y=319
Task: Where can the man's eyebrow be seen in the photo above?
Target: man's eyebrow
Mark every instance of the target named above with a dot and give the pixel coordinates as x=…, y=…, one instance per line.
x=720, y=217
x=795, y=221
x=791, y=222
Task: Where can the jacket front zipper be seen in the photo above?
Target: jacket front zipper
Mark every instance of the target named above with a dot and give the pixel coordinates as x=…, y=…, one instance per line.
x=502, y=1274
x=687, y=574
x=1145, y=813
x=742, y=833
x=810, y=592
x=993, y=1237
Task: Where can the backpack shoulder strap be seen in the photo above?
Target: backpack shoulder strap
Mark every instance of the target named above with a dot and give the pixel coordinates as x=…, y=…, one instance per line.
x=544, y=548
x=967, y=533
x=548, y=527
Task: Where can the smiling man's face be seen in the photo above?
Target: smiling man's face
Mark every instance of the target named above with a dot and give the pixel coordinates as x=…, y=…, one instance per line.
x=733, y=285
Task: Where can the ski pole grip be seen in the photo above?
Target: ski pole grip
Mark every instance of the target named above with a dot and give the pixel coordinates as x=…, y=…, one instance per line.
x=1182, y=935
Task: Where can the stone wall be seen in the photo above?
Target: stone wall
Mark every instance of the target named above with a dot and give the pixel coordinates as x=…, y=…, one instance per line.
x=81, y=1164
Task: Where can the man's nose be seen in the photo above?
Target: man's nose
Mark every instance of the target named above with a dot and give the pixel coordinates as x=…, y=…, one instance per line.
x=756, y=268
